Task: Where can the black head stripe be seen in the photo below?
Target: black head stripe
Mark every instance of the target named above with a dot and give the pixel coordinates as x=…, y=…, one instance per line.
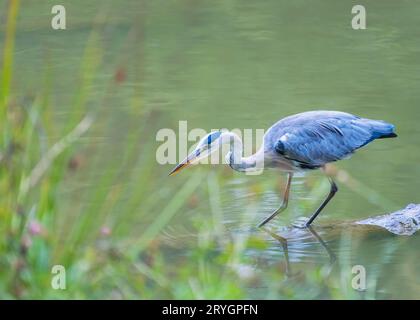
x=213, y=136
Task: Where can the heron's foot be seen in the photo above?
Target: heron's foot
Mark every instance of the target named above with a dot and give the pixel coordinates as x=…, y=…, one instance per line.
x=301, y=223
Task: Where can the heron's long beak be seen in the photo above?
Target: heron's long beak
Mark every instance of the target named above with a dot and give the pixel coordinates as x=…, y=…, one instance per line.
x=186, y=162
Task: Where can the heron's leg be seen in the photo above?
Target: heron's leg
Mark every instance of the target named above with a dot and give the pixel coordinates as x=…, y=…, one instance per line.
x=333, y=190
x=283, y=204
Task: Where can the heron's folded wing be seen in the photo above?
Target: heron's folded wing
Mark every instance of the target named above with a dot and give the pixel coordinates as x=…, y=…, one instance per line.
x=319, y=142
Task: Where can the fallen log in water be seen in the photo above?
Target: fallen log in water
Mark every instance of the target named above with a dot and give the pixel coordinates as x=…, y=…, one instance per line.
x=402, y=222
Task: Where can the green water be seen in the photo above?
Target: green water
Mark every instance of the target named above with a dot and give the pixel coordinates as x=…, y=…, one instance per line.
x=246, y=64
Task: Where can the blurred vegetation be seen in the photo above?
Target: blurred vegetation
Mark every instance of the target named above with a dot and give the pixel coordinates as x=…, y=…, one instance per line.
x=37, y=156
x=114, y=237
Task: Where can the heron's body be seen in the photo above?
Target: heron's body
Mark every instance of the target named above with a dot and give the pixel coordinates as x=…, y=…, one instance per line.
x=303, y=141
x=310, y=140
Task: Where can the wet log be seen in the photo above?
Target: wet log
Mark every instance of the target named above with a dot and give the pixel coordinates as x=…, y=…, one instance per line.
x=402, y=222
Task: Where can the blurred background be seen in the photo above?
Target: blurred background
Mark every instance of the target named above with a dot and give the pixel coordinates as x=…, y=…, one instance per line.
x=79, y=181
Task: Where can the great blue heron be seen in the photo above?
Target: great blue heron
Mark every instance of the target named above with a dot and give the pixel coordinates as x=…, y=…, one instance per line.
x=304, y=141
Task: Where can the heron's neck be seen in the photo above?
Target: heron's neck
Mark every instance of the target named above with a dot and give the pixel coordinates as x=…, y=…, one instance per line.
x=235, y=159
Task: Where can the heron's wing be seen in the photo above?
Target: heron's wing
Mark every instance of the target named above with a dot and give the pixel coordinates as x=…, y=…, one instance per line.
x=314, y=143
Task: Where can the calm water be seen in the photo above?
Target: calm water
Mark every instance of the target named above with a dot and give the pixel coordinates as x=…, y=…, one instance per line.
x=245, y=64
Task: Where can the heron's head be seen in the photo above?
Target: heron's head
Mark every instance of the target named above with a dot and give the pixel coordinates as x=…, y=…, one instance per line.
x=207, y=145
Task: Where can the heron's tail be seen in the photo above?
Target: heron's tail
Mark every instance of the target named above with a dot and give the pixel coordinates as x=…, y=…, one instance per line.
x=381, y=129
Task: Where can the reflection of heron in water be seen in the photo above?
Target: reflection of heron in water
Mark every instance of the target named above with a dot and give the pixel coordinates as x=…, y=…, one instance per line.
x=284, y=243
x=304, y=141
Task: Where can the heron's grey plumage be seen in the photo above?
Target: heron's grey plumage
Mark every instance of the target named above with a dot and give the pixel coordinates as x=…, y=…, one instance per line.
x=312, y=139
